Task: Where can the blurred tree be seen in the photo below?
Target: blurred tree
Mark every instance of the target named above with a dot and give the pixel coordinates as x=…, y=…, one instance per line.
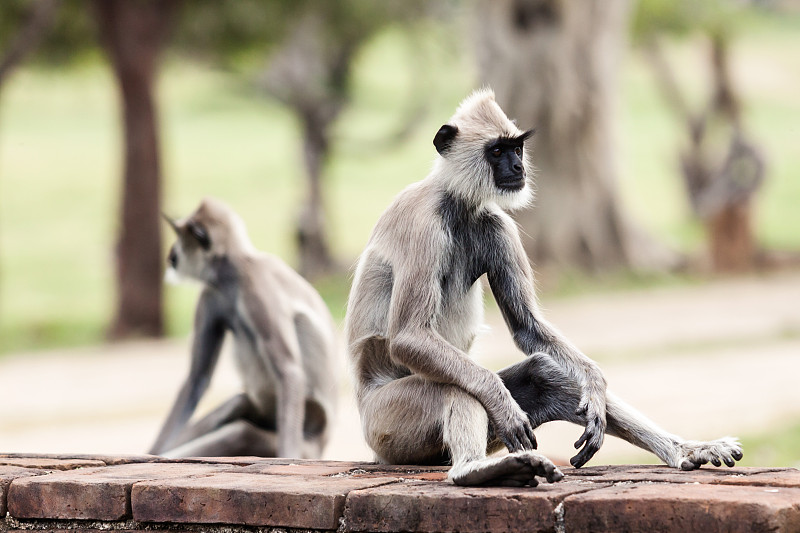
x=23, y=25
x=554, y=66
x=22, y=28
x=311, y=46
x=722, y=169
x=133, y=35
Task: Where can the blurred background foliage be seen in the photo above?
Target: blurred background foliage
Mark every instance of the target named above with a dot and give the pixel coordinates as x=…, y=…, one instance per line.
x=223, y=132
x=307, y=117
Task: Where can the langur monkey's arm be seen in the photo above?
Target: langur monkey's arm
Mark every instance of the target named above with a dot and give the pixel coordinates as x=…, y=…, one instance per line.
x=511, y=280
x=209, y=332
x=416, y=344
x=277, y=342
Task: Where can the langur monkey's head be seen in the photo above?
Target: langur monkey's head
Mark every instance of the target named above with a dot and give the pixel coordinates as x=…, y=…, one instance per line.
x=482, y=154
x=210, y=234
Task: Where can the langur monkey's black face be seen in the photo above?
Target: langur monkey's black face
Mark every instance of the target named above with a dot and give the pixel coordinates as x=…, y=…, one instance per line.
x=185, y=257
x=504, y=155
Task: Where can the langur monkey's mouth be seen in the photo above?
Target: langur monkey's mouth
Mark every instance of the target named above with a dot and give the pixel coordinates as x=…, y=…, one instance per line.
x=512, y=185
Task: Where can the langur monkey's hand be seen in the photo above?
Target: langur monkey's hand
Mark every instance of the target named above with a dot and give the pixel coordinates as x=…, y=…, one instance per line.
x=514, y=429
x=593, y=408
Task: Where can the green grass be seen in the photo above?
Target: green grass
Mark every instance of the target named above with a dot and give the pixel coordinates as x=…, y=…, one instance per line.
x=60, y=166
x=776, y=448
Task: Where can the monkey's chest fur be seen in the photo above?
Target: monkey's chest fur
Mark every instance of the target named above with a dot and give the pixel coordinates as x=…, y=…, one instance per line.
x=473, y=240
x=476, y=243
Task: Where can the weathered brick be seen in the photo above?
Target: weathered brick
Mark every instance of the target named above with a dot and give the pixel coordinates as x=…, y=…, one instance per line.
x=665, y=474
x=425, y=473
x=85, y=530
x=121, y=459
x=251, y=499
x=235, y=460
x=686, y=508
x=7, y=475
x=92, y=493
x=342, y=468
x=48, y=463
x=783, y=477
x=429, y=507
x=303, y=468
x=105, y=458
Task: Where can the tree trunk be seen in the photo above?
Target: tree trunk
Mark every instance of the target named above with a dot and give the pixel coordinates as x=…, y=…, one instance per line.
x=27, y=39
x=553, y=66
x=732, y=244
x=312, y=238
x=39, y=21
x=310, y=74
x=721, y=178
x=133, y=34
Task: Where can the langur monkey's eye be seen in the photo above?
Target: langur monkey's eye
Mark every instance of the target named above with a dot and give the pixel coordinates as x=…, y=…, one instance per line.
x=201, y=236
x=518, y=151
x=496, y=151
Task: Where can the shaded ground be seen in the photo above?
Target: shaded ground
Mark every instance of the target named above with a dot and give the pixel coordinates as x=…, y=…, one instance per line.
x=703, y=361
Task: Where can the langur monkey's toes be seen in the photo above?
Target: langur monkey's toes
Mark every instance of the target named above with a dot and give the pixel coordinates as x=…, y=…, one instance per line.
x=517, y=469
x=694, y=454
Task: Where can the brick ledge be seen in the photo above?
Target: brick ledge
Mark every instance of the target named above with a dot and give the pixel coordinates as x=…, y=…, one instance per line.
x=89, y=493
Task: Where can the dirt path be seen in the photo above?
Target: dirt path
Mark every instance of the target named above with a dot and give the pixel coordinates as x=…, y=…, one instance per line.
x=703, y=361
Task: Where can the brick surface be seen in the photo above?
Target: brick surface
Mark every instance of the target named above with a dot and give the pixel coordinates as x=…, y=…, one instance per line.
x=686, y=508
x=48, y=463
x=122, y=459
x=92, y=493
x=346, y=468
x=310, y=494
x=7, y=475
x=297, y=501
x=237, y=461
x=786, y=477
x=665, y=474
x=429, y=507
x=303, y=468
x=427, y=473
x=104, y=458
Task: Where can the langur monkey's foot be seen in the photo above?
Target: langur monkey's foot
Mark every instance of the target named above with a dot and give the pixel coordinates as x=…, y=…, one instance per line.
x=513, y=470
x=693, y=454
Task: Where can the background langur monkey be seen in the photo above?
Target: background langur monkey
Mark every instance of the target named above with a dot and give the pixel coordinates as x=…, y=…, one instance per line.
x=416, y=306
x=284, y=345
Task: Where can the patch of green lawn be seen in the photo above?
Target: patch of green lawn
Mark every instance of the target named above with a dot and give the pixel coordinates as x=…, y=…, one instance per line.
x=60, y=166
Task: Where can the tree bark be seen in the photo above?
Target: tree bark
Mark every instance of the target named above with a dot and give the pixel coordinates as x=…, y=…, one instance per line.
x=553, y=65
x=310, y=74
x=39, y=21
x=312, y=238
x=133, y=34
x=27, y=39
x=721, y=178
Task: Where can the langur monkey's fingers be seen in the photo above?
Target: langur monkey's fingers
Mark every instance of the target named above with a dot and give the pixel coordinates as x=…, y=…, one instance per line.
x=529, y=429
x=592, y=440
x=518, y=434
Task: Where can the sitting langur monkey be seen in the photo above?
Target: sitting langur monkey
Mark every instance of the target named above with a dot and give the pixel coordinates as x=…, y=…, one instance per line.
x=284, y=345
x=416, y=306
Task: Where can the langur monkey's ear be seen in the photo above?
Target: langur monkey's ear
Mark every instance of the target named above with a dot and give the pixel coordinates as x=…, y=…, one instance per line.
x=171, y=222
x=444, y=138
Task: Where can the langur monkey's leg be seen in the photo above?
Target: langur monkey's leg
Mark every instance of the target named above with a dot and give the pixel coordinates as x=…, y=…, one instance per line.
x=236, y=408
x=235, y=428
x=415, y=421
x=238, y=438
x=543, y=390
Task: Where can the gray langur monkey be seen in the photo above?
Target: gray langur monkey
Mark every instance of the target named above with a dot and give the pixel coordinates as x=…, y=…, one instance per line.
x=284, y=343
x=416, y=306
